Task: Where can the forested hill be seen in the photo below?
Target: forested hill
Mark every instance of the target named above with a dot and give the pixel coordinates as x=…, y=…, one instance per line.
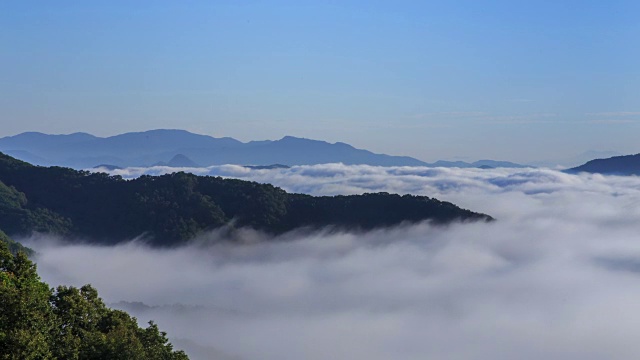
x=617, y=165
x=173, y=208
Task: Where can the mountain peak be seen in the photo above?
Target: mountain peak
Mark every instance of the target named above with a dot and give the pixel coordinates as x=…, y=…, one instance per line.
x=294, y=138
x=181, y=160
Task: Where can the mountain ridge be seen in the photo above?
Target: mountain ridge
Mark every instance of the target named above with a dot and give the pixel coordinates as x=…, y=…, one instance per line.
x=616, y=165
x=147, y=148
x=171, y=209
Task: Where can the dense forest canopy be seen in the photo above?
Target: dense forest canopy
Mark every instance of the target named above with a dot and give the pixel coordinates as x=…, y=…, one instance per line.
x=37, y=322
x=173, y=208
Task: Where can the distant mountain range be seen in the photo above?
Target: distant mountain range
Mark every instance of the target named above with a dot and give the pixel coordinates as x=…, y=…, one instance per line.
x=617, y=165
x=179, y=148
x=483, y=164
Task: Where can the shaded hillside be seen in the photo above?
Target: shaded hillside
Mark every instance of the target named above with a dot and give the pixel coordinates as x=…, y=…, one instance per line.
x=14, y=246
x=173, y=208
x=617, y=165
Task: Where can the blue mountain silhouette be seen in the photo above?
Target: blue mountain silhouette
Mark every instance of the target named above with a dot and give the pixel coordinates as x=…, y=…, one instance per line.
x=617, y=165
x=81, y=150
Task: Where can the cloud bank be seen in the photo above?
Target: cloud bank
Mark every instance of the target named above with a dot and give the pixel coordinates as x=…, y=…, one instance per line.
x=556, y=277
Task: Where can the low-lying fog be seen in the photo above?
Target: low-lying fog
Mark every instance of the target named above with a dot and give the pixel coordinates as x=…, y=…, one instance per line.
x=556, y=277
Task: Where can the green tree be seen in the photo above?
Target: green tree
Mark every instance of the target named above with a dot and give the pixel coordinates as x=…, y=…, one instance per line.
x=14, y=246
x=156, y=344
x=26, y=319
x=38, y=323
x=88, y=329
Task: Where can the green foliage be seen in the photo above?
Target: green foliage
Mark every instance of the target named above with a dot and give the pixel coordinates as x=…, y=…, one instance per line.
x=26, y=319
x=37, y=322
x=14, y=246
x=156, y=345
x=173, y=208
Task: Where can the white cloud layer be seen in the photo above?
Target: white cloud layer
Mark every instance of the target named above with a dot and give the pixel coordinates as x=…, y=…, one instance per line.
x=556, y=277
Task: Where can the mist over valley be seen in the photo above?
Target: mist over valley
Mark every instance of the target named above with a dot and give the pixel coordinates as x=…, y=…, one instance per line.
x=541, y=281
x=342, y=180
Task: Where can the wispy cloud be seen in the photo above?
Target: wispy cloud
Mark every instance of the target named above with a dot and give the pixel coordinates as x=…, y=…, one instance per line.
x=613, y=121
x=486, y=118
x=522, y=100
x=537, y=118
x=613, y=117
x=448, y=114
x=615, y=113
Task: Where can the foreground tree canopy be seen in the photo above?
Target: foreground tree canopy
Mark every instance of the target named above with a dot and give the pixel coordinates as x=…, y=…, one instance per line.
x=37, y=322
x=173, y=208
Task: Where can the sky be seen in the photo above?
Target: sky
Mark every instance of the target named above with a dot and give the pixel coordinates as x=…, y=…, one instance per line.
x=555, y=277
x=521, y=81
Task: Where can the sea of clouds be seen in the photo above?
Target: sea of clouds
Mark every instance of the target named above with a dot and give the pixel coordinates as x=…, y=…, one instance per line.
x=556, y=277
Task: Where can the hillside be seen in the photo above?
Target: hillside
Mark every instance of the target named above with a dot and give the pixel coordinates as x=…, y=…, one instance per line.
x=173, y=208
x=617, y=165
x=13, y=246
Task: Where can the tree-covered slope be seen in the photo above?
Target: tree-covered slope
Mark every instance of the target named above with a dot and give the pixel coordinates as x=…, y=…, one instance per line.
x=172, y=208
x=37, y=322
x=14, y=246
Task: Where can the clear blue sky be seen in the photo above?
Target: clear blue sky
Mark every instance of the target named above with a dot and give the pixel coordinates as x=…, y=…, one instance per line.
x=514, y=80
